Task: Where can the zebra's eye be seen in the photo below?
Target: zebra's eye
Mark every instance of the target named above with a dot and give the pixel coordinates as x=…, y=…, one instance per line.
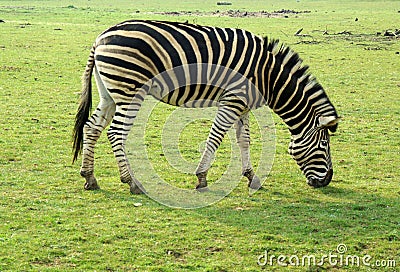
x=324, y=143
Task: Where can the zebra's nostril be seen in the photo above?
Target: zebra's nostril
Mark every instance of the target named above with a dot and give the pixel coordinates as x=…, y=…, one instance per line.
x=314, y=182
x=317, y=183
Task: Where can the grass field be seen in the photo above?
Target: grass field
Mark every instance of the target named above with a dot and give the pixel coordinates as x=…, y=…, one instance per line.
x=49, y=223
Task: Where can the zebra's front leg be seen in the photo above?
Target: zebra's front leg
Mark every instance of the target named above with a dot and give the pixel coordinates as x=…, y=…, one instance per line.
x=224, y=120
x=202, y=182
x=243, y=140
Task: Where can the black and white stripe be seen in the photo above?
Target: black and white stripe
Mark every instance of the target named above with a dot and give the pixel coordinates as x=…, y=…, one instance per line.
x=200, y=67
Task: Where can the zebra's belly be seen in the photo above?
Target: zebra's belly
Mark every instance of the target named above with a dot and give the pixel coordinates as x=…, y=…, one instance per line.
x=190, y=96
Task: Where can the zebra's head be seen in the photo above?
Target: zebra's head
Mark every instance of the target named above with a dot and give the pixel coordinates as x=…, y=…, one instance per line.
x=312, y=153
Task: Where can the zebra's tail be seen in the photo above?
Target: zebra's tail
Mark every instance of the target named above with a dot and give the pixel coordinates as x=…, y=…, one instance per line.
x=84, y=107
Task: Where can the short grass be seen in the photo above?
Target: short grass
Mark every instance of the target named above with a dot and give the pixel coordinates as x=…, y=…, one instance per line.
x=49, y=223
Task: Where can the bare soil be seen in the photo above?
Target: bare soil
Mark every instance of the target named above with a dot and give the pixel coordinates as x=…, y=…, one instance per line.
x=284, y=13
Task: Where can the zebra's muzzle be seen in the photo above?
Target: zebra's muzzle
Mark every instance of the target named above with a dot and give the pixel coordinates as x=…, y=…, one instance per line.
x=317, y=183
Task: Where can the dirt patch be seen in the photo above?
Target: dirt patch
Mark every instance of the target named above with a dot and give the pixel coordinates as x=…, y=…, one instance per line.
x=10, y=68
x=284, y=13
x=223, y=3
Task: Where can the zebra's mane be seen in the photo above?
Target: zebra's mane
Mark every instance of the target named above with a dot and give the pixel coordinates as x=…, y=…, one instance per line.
x=292, y=61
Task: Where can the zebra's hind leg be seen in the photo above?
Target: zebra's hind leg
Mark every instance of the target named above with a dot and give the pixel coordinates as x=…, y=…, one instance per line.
x=117, y=135
x=243, y=140
x=223, y=121
x=92, y=131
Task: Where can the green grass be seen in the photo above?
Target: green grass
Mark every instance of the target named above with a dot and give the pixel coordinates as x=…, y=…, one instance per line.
x=49, y=223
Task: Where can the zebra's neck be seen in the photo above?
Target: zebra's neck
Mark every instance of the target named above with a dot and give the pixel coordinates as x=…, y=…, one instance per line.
x=291, y=92
x=301, y=107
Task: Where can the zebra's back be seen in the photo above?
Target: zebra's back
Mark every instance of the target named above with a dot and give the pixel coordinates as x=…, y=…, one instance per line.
x=134, y=52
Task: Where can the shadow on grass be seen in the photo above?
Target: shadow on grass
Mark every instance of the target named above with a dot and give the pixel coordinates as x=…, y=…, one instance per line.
x=326, y=215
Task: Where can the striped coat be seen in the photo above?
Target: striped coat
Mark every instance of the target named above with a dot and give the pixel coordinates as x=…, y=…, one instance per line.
x=199, y=66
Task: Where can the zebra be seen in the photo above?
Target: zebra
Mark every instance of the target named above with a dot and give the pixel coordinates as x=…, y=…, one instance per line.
x=125, y=59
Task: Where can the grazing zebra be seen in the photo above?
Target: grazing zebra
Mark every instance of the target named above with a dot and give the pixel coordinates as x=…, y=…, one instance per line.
x=126, y=58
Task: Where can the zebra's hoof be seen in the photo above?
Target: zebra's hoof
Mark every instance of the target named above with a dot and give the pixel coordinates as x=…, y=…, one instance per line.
x=136, y=189
x=255, y=183
x=91, y=186
x=202, y=187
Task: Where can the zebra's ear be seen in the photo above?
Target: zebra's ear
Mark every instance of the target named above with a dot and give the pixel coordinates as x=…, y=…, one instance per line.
x=330, y=122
